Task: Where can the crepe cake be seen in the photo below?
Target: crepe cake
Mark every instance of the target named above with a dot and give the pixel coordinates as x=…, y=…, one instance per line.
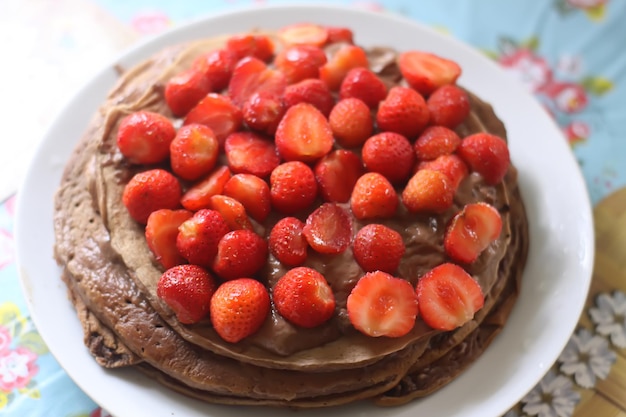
x=113, y=275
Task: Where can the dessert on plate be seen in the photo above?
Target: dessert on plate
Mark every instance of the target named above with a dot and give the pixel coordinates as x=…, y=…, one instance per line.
x=287, y=218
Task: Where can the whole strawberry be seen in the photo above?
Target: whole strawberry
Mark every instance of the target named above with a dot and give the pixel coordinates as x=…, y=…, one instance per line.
x=287, y=241
x=304, y=298
x=428, y=191
x=486, y=154
x=239, y=308
x=378, y=247
x=184, y=90
x=373, y=197
x=351, y=122
x=187, y=290
x=149, y=191
x=240, y=253
x=389, y=154
x=449, y=105
x=292, y=187
x=144, y=137
x=363, y=84
x=403, y=111
x=193, y=152
x=161, y=233
x=199, y=236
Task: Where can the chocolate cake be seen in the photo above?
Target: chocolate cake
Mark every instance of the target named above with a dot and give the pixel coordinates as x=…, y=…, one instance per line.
x=112, y=276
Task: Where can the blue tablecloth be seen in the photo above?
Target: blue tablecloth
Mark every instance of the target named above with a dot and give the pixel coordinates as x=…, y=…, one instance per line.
x=568, y=52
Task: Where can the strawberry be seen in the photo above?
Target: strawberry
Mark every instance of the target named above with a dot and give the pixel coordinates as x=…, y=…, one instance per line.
x=250, y=76
x=250, y=153
x=262, y=112
x=378, y=247
x=448, y=297
x=144, y=137
x=187, y=290
x=373, y=196
x=240, y=253
x=343, y=60
x=161, y=232
x=351, y=122
x=238, y=308
x=450, y=165
x=336, y=175
x=471, y=231
x=328, y=229
x=382, y=305
x=149, y=191
x=303, y=34
x=425, y=72
x=303, y=134
x=185, y=89
x=300, y=62
x=199, y=195
x=304, y=298
x=486, y=154
x=252, y=192
x=292, y=187
x=232, y=211
x=217, y=112
x=198, y=236
x=428, y=191
x=448, y=105
x=339, y=34
x=436, y=141
x=194, y=151
x=218, y=66
x=363, y=84
x=389, y=154
x=287, y=242
x=312, y=91
x=403, y=111
x=243, y=45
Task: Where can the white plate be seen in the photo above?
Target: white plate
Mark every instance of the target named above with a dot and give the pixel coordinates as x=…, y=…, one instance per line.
x=555, y=283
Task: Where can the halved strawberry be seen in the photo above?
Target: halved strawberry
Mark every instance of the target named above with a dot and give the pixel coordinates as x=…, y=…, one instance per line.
x=232, y=211
x=243, y=45
x=250, y=76
x=149, y=191
x=240, y=254
x=250, y=153
x=199, y=195
x=436, y=141
x=184, y=90
x=451, y=165
x=217, y=112
x=382, y=305
x=187, y=290
x=403, y=111
x=328, y=229
x=199, y=235
x=363, y=84
x=448, y=105
x=262, y=112
x=389, y=154
x=486, y=154
x=312, y=91
x=344, y=59
x=161, y=232
x=303, y=34
x=194, y=151
x=339, y=34
x=303, y=134
x=287, y=242
x=378, y=248
x=337, y=173
x=252, y=192
x=292, y=187
x=448, y=297
x=426, y=72
x=218, y=66
x=428, y=191
x=144, y=137
x=471, y=231
x=373, y=196
x=351, y=122
x=300, y=62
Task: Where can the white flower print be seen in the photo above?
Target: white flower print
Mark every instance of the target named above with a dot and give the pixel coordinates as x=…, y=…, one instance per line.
x=552, y=397
x=609, y=316
x=587, y=357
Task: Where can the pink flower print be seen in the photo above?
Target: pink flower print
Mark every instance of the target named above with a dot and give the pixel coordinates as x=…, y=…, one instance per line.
x=568, y=97
x=586, y=4
x=368, y=5
x=5, y=339
x=148, y=23
x=577, y=131
x=6, y=248
x=532, y=70
x=17, y=368
x=10, y=205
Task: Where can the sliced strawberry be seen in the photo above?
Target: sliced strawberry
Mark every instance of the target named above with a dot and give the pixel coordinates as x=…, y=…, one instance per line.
x=232, y=211
x=344, y=59
x=240, y=254
x=373, y=197
x=351, y=122
x=426, y=72
x=149, y=191
x=304, y=298
x=144, y=137
x=448, y=297
x=403, y=111
x=194, y=151
x=339, y=34
x=486, y=154
x=303, y=34
x=184, y=90
x=448, y=105
x=378, y=248
x=262, y=112
x=363, y=84
x=428, y=191
x=243, y=45
x=336, y=175
x=217, y=112
x=199, y=236
x=292, y=187
x=300, y=62
x=303, y=134
x=389, y=154
x=328, y=229
x=471, y=231
x=312, y=91
x=450, y=165
x=250, y=153
x=187, y=290
x=199, y=195
x=382, y=305
x=252, y=192
x=250, y=76
x=436, y=141
x=161, y=232
x=218, y=66
x=287, y=242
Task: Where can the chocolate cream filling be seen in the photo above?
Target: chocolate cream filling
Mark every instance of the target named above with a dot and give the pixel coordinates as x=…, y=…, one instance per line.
x=111, y=277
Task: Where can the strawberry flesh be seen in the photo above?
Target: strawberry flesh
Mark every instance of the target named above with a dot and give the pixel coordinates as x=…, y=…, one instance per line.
x=328, y=229
x=303, y=134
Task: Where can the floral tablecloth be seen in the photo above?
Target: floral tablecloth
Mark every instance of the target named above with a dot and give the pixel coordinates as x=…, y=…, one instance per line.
x=569, y=53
